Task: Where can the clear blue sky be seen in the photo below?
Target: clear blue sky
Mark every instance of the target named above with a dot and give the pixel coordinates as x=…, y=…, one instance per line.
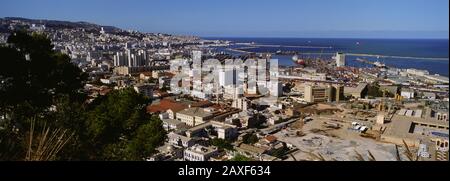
x=252, y=18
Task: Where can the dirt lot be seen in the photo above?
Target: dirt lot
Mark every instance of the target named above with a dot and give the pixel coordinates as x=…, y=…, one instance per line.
x=337, y=149
x=331, y=138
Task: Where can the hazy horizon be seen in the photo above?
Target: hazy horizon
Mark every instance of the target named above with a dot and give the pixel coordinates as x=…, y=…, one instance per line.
x=399, y=19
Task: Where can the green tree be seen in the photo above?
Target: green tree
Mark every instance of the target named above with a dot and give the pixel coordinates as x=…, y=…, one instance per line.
x=240, y=158
x=33, y=74
x=148, y=137
x=71, y=116
x=221, y=143
x=279, y=153
x=250, y=139
x=117, y=114
x=11, y=147
x=37, y=82
x=119, y=128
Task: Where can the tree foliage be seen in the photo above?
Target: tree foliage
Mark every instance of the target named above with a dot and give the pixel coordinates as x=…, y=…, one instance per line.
x=119, y=128
x=221, y=144
x=33, y=74
x=240, y=158
x=38, y=82
x=250, y=139
x=148, y=137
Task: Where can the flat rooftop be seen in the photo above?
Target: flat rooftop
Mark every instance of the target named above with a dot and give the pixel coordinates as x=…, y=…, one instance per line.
x=403, y=126
x=195, y=112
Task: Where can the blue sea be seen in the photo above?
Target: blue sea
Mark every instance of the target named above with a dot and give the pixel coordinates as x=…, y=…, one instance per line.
x=427, y=54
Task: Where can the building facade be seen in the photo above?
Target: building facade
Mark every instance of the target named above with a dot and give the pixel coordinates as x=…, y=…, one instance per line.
x=193, y=116
x=199, y=153
x=340, y=59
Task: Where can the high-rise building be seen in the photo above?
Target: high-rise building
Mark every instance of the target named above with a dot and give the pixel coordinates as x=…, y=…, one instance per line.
x=128, y=45
x=315, y=94
x=128, y=53
x=340, y=59
x=102, y=31
x=276, y=89
x=339, y=94
x=120, y=59
x=140, y=59
x=227, y=77
x=241, y=103
x=196, y=56
x=335, y=93
x=144, y=89
x=131, y=58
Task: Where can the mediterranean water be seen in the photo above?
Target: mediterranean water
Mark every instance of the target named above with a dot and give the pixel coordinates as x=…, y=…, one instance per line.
x=427, y=54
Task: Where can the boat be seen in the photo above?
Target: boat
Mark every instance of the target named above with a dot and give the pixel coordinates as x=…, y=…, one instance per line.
x=379, y=64
x=298, y=60
x=376, y=64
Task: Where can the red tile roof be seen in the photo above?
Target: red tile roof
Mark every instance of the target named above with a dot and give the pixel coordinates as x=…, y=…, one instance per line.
x=202, y=104
x=165, y=105
x=271, y=138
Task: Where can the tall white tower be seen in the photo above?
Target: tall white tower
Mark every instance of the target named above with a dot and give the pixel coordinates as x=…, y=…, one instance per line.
x=340, y=59
x=102, y=31
x=129, y=57
x=197, y=56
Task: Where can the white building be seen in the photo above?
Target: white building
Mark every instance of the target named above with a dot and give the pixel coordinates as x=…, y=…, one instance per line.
x=408, y=93
x=199, y=153
x=120, y=59
x=200, y=94
x=227, y=77
x=276, y=89
x=417, y=72
x=197, y=56
x=241, y=103
x=102, y=31
x=194, y=116
x=232, y=92
x=223, y=130
x=140, y=58
x=172, y=124
x=131, y=58
x=180, y=140
x=105, y=81
x=274, y=120
x=340, y=59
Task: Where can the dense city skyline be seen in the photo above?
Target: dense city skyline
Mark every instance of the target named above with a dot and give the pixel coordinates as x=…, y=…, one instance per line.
x=339, y=19
x=127, y=95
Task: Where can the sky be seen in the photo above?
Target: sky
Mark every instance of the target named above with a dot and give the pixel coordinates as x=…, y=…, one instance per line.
x=251, y=18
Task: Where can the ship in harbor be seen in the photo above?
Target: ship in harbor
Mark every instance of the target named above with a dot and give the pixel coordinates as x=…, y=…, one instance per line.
x=376, y=64
x=298, y=61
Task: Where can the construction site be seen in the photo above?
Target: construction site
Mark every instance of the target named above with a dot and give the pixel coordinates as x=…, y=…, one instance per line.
x=381, y=131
